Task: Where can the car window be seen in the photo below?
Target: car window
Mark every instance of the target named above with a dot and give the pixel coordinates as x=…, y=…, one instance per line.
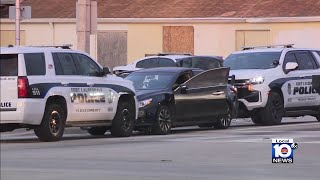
x=204, y=63
x=148, y=63
x=182, y=79
x=305, y=60
x=214, y=77
x=35, y=64
x=65, y=63
x=8, y=64
x=151, y=80
x=164, y=62
x=290, y=57
x=86, y=66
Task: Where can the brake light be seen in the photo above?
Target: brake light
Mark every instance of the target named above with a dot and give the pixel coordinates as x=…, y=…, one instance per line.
x=23, y=87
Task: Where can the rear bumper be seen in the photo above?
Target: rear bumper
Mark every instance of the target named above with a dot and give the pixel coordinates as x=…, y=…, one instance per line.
x=28, y=111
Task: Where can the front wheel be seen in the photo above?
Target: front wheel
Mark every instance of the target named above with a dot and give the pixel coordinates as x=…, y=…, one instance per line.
x=52, y=125
x=163, y=124
x=225, y=121
x=123, y=123
x=273, y=112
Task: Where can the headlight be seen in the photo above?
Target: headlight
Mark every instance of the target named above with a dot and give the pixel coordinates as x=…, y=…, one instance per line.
x=144, y=103
x=257, y=80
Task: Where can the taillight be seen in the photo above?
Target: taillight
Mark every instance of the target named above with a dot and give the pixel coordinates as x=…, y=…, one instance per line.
x=23, y=87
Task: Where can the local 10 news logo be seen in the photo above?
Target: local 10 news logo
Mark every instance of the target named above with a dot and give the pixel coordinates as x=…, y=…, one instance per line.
x=283, y=150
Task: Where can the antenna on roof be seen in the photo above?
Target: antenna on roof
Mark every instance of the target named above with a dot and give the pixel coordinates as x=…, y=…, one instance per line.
x=270, y=46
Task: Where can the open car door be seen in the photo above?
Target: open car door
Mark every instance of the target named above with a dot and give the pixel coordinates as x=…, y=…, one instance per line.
x=316, y=83
x=203, y=96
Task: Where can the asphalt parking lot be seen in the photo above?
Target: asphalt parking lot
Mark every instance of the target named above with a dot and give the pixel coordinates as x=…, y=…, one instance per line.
x=241, y=152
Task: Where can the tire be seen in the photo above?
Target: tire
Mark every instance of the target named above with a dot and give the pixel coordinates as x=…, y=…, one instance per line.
x=273, y=112
x=224, y=122
x=123, y=122
x=52, y=125
x=255, y=117
x=163, y=124
x=97, y=131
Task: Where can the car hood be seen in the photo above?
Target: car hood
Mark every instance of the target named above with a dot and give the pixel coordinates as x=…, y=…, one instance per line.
x=145, y=94
x=247, y=73
x=128, y=67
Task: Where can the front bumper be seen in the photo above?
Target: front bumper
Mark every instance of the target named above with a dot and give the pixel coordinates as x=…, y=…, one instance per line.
x=147, y=116
x=254, y=98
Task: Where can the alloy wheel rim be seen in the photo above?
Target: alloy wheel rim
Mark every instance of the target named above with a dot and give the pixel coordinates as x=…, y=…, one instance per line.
x=125, y=119
x=226, y=120
x=55, y=122
x=165, y=119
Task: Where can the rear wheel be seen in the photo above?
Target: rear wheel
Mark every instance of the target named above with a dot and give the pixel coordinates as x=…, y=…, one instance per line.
x=97, y=131
x=52, y=125
x=164, y=121
x=273, y=112
x=225, y=121
x=123, y=123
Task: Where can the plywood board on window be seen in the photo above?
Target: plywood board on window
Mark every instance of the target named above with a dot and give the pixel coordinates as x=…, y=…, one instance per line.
x=249, y=38
x=178, y=39
x=8, y=37
x=112, y=48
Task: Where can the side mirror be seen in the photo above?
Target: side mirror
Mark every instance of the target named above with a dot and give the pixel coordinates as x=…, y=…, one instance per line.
x=183, y=89
x=276, y=62
x=290, y=66
x=106, y=71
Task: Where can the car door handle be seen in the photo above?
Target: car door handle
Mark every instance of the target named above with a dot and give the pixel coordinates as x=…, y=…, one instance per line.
x=218, y=93
x=65, y=83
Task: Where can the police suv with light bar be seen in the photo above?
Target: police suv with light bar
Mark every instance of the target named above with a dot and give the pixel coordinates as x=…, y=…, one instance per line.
x=50, y=88
x=275, y=82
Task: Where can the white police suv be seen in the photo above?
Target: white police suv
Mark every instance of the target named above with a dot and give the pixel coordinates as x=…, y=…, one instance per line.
x=274, y=82
x=48, y=89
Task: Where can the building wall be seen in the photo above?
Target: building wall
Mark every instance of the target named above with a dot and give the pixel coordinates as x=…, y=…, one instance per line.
x=209, y=38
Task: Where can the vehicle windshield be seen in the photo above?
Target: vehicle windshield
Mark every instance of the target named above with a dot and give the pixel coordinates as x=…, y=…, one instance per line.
x=151, y=80
x=256, y=60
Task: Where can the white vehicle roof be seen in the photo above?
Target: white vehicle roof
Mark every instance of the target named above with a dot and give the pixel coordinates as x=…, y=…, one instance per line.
x=30, y=49
x=273, y=50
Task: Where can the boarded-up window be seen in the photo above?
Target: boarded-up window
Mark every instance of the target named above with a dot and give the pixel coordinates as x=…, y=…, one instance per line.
x=112, y=48
x=9, y=38
x=250, y=38
x=179, y=39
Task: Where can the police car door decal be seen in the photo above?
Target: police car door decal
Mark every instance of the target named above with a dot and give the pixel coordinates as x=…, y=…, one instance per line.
x=299, y=93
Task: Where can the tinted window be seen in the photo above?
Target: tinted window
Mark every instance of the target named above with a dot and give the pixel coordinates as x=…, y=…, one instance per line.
x=65, y=61
x=164, y=62
x=57, y=65
x=209, y=78
x=86, y=66
x=204, y=63
x=35, y=64
x=148, y=81
x=253, y=60
x=8, y=65
x=305, y=61
x=148, y=63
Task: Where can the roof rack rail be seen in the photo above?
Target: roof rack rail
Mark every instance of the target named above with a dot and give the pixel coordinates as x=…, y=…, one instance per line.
x=65, y=46
x=166, y=54
x=270, y=46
